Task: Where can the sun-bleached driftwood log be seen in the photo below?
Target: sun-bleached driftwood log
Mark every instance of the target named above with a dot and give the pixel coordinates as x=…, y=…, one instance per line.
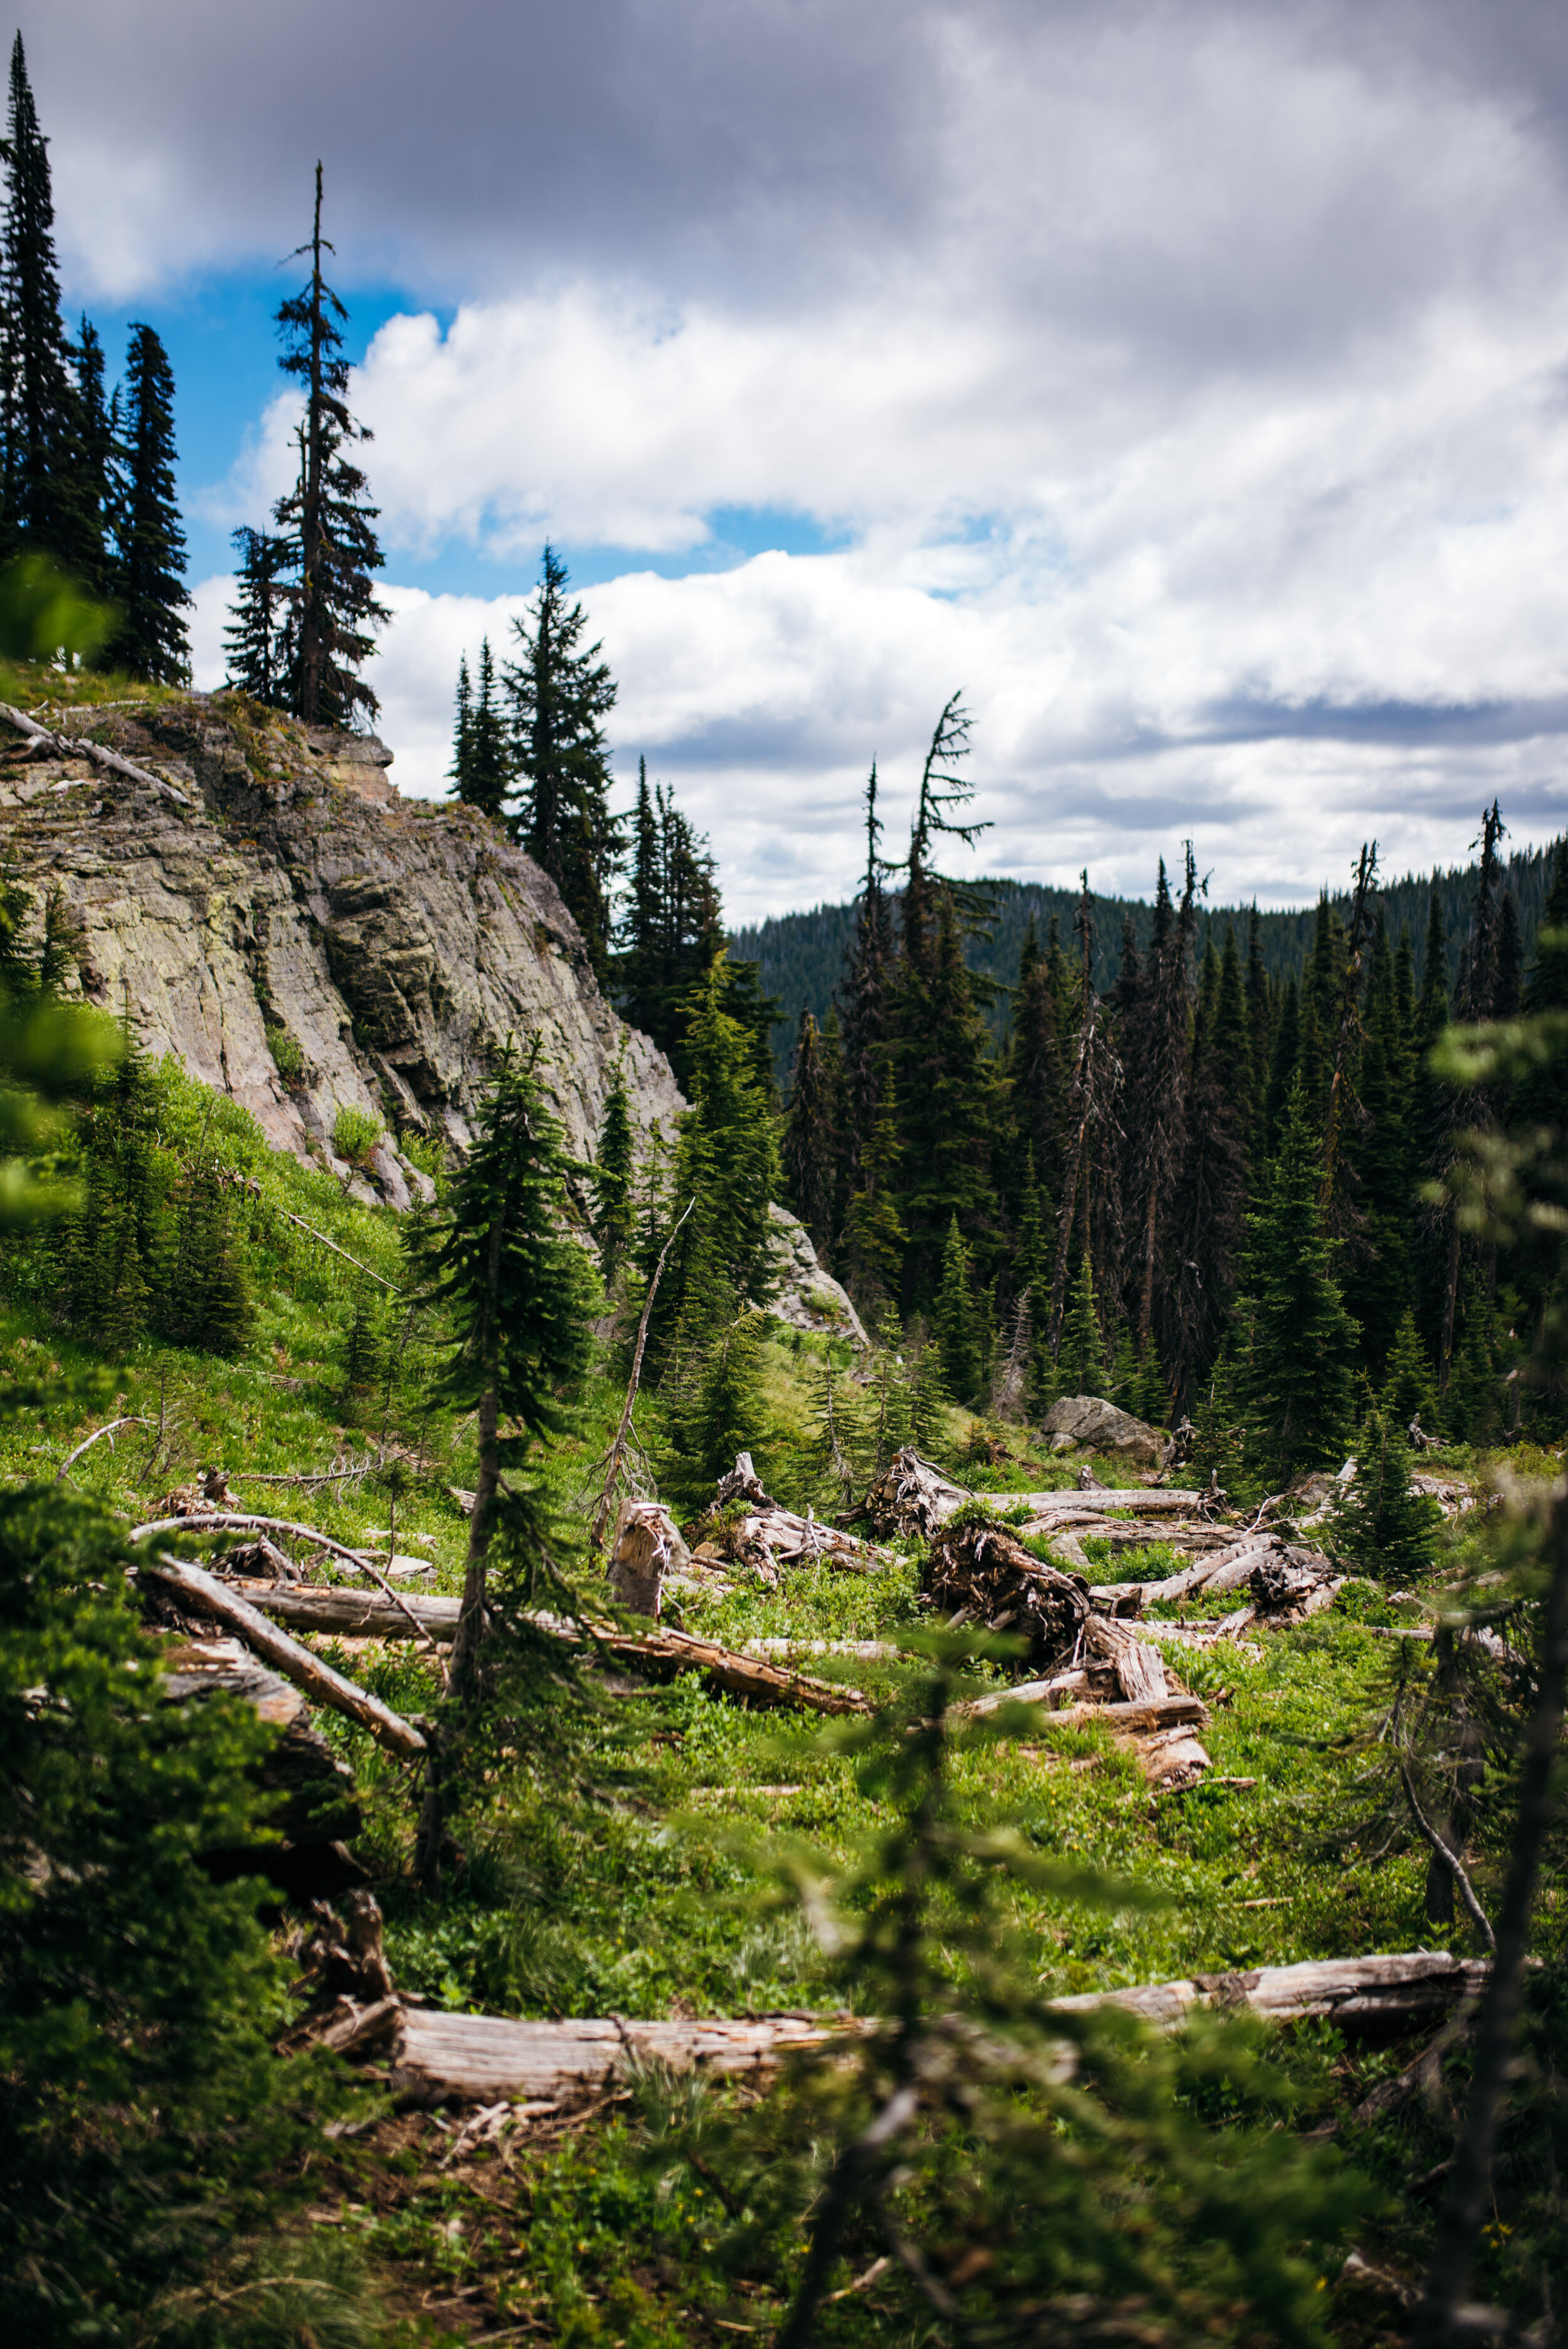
x=70, y=746
x=660, y=1655
x=319, y=1681
x=481, y=2058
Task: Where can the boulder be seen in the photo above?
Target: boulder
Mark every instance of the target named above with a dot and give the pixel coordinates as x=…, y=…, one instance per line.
x=1089, y=1424
x=806, y=1296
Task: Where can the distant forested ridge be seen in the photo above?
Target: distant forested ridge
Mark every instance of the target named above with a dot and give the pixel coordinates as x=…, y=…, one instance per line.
x=800, y=956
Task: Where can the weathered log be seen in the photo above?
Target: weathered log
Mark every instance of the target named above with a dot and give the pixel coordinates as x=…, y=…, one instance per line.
x=1140, y=1670
x=658, y=1654
x=97, y=754
x=662, y=1654
x=1177, y=1711
x=331, y=1607
x=911, y=1497
x=319, y=1681
x=479, y=2058
x=982, y=1575
x=1364, y=1996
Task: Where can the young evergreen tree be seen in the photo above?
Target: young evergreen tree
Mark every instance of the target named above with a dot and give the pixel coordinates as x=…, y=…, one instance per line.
x=518, y=1294
x=1381, y=1526
x=326, y=519
x=1081, y=1362
x=717, y=1409
x=1408, y=1391
x=614, y=1170
x=207, y=1297
x=1296, y=1384
x=38, y=408
x=955, y=1321
x=950, y=1100
x=460, y=770
x=489, y=755
x=727, y=1166
x=561, y=692
x=151, y=642
x=253, y=637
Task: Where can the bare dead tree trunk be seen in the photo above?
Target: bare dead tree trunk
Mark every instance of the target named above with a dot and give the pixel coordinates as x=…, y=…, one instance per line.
x=1469, y=2183
x=1349, y=1025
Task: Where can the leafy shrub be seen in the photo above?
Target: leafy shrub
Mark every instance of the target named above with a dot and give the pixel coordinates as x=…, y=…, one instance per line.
x=288, y=1053
x=355, y=1134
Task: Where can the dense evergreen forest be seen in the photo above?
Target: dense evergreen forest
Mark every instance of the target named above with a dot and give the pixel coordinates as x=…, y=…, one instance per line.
x=800, y=958
x=565, y=1778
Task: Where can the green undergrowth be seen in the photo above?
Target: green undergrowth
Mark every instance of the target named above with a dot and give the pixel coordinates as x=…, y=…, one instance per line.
x=628, y=1863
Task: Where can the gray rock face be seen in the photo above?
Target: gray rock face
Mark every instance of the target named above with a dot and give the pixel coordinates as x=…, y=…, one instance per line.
x=1088, y=1423
x=808, y=1297
x=306, y=941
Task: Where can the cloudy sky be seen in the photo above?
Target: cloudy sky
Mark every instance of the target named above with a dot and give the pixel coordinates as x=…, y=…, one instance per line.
x=1189, y=384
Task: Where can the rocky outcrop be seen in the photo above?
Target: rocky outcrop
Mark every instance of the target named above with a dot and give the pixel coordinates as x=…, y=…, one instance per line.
x=1089, y=1424
x=306, y=941
x=806, y=1296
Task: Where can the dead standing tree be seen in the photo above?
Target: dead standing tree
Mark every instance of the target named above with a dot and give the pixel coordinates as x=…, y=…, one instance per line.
x=1095, y=1079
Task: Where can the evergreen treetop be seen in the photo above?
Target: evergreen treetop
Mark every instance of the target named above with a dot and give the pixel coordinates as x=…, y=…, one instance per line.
x=561, y=692
x=151, y=642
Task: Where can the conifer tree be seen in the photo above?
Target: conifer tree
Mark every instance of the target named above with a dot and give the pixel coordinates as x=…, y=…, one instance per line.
x=561, y=692
x=810, y=1141
x=1035, y=1076
x=326, y=519
x=1284, y=1061
x=716, y=1410
x=1156, y=1046
x=1296, y=1385
x=1408, y=1391
x=1209, y=1201
x=1381, y=1526
x=1260, y=1029
x=727, y=1165
x=517, y=1292
x=955, y=1320
x=87, y=498
x=615, y=1169
x=950, y=1102
x=462, y=731
x=253, y=639
x=207, y=1299
x=1081, y=1362
x=1382, y=1164
x=874, y=1239
x=151, y=642
x=38, y=418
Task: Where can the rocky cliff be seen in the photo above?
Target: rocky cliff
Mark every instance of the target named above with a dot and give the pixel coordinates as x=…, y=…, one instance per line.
x=304, y=940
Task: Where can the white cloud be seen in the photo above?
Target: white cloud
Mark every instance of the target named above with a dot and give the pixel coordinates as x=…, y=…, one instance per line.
x=1200, y=405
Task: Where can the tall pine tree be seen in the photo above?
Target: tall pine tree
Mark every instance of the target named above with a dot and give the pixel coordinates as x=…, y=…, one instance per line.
x=38, y=418
x=326, y=519
x=1296, y=1382
x=151, y=642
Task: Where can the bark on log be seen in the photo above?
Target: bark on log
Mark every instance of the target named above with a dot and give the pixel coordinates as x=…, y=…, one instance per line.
x=1140, y=1670
x=319, y=1681
x=481, y=2058
x=1182, y=1709
x=352, y=1614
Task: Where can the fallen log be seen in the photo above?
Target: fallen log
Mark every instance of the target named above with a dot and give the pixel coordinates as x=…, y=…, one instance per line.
x=475, y=2058
x=319, y=1681
x=1140, y=1668
x=1364, y=1996
x=480, y=2058
x=660, y=1655
x=1180, y=1709
x=71, y=745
